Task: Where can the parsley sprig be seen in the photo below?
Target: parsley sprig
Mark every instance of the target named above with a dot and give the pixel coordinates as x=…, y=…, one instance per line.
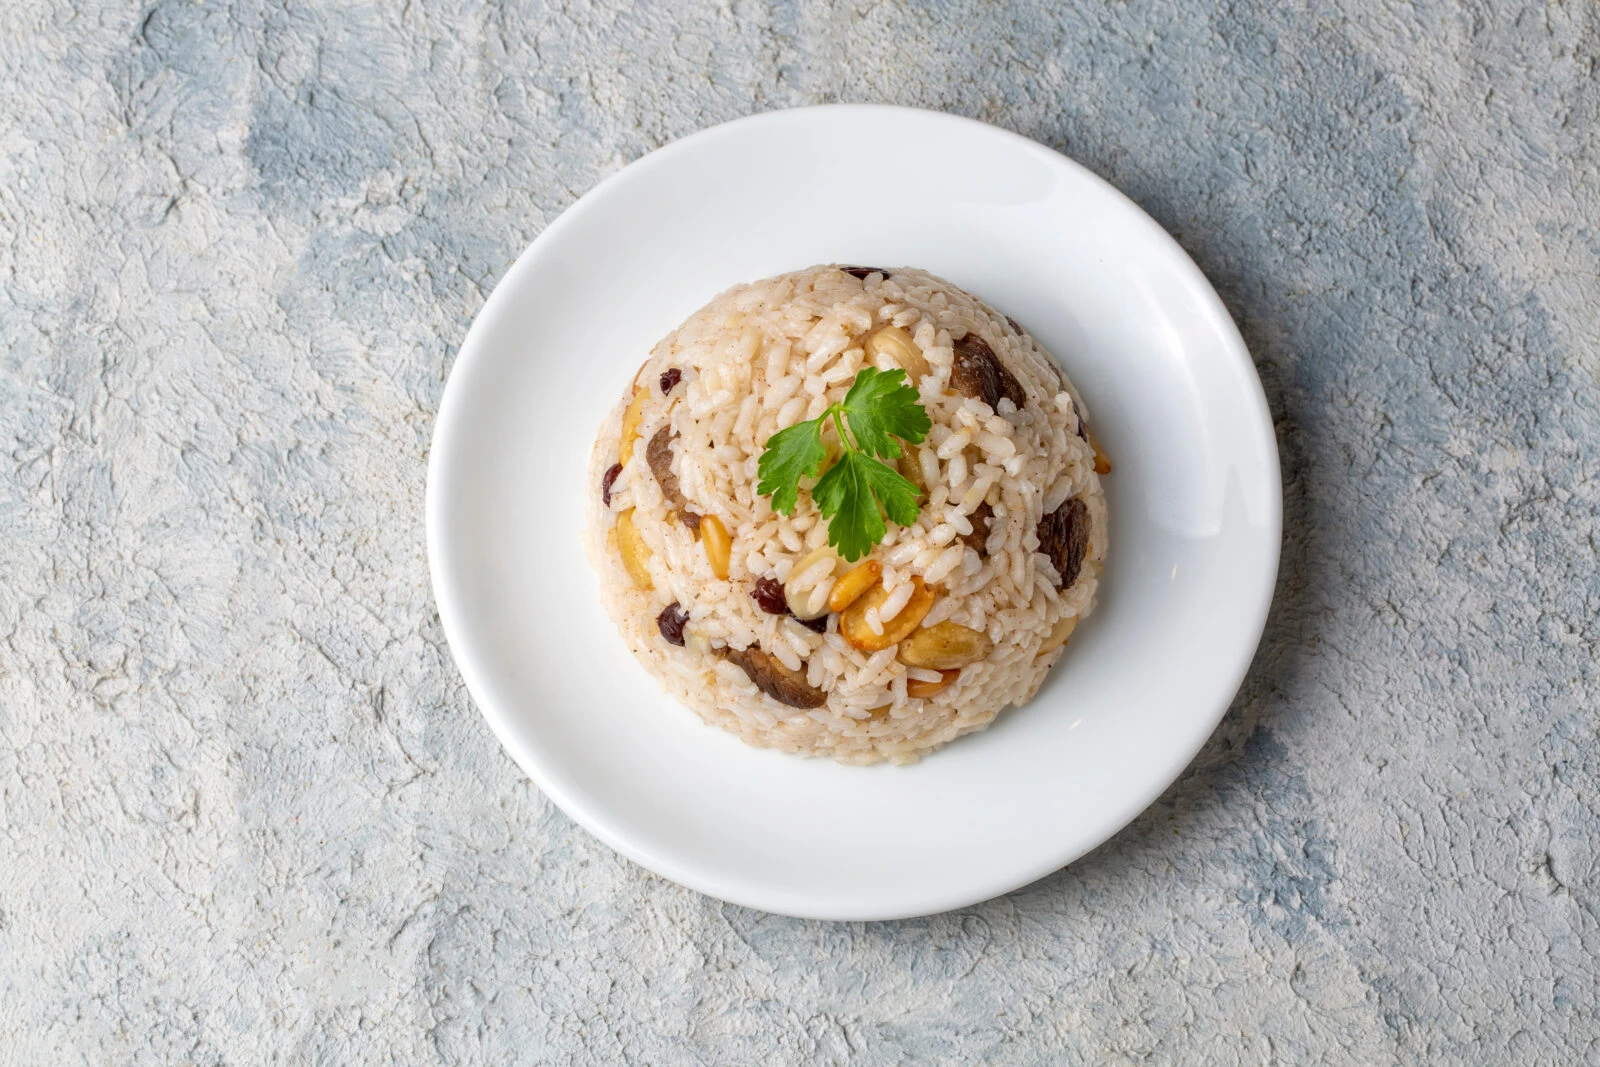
x=859, y=488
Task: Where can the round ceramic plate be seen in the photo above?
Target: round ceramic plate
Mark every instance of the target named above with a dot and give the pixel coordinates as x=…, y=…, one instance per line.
x=1194, y=500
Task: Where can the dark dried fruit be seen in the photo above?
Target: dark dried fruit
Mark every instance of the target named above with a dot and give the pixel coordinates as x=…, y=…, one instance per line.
x=862, y=272
x=979, y=537
x=1083, y=427
x=608, y=481
x=818, y=625
x=774, y=679
x=768, y=595
x=658, y=453
x=1064, y=537
x=670, y=380
x=1016, y=327
x=671, y=622
x=978, y=372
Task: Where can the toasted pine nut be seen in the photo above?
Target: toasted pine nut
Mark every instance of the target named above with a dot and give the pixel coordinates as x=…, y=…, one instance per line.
x=909, y=466
x=915, y=687
x=719, y=545
x=811, y=601
x=1102, y=462
x=1058, y=635
x=945, y=646
x=631, y=418
x=634, y=552
x=853, y=621
x=896, y=346
x=852, y=583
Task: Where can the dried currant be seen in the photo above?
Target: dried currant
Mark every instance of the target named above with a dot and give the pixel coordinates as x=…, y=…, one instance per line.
x=671, y=622
x=862, y=272
x=768, y=593
x=608, y=481
x=670, y=379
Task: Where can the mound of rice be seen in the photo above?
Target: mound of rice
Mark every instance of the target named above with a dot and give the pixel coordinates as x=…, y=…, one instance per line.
x=705, y=581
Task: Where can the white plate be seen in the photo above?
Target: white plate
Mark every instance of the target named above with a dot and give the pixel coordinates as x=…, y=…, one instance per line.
x=1195, y=510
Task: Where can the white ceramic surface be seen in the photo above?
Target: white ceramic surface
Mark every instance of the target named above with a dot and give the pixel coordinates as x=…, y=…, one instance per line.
x=1195, y=510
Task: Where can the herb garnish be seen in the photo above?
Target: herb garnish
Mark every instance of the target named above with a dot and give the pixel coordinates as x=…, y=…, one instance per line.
x=859, y=488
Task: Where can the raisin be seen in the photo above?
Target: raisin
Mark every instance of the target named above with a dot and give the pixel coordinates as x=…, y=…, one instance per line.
x=774, y=679
x=862, y=272
x=978, y=372
x=608, y=481
x=1016, y=327
x=1064, y=537
x=671, y=622
x=670, y=380
x=768, y=594
x=658, y=453
x=979, y=537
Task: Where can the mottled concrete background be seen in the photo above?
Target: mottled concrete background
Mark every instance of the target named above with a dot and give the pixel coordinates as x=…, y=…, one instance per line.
x=249, y=812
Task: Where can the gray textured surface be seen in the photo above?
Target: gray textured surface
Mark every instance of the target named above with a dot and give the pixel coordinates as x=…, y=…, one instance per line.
x=249, y=812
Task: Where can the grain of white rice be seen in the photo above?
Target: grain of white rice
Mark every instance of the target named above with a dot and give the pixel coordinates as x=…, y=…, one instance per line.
x=946, y=562
x=876, y=664
x=956, y=473
x=789, y=413
x=808, y=578
x=954, y=443
x=995, y=445
x=901, y=554
x=975, y=495
x=895, y=602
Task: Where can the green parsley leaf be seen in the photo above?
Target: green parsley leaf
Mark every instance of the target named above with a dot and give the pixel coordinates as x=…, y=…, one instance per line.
x=853, y=496
x=897, y=493
x=790, y=455
x=844, y=496
x=882, y=406
x=859, y=489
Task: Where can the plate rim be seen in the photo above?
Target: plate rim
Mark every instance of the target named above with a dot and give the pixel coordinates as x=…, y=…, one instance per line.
x=450, y=411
